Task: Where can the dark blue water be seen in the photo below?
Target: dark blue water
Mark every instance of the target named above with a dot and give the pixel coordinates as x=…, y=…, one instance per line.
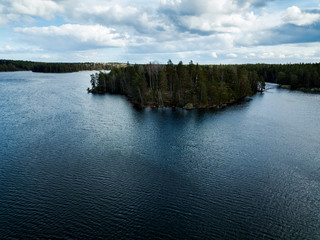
x=80, y=166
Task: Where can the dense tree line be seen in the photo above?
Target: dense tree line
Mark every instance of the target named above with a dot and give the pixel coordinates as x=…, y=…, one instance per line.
x=13, y=65
x=306, y=76
x=68, y=67
x=179, y=85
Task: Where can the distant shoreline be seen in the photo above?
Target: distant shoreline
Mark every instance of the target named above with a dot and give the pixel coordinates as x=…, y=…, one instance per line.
x=44, y=67
x=309, y=90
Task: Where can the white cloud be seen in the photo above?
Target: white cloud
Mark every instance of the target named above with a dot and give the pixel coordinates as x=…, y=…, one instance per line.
x=295, y=16
x=45, y=56
x=283, y=53
x=206, y=15
x=7, y=48
x=182, y=42
x=267, y=55
x=73, y=36
x=39, y=8
x=214, y=55
x=233, y=20
x=25, y=11
x=110, y=15
x=233, y=55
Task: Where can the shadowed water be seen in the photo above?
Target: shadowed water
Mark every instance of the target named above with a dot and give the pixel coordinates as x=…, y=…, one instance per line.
x=80, y=166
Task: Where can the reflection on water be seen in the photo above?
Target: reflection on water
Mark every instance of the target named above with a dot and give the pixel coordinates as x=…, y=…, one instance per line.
x=80, y=166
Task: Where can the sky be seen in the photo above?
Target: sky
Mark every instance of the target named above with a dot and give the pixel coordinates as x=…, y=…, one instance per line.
x=142, y=31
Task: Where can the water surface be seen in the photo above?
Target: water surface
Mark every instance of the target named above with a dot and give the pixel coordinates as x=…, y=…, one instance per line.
x=79, y=166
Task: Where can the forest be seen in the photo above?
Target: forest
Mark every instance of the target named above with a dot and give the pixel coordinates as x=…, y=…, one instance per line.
x=14, y=65
x=188, y=86
x=302, y=76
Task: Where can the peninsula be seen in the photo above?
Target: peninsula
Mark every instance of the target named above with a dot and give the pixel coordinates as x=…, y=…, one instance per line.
x=185, y=86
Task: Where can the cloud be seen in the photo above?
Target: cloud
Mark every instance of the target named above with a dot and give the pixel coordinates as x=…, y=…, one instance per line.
x=201, y=7
x=290, y=33
x=45, y=9
x=214, y=55
x=128, y=17
x=45, y=56
x=295, y=15
x=253, y=3
x=205, y=17
x=232, y=55
x=73, y=36
x=7, y=48
x=184, y=42
x=282, y=53
x=292, y=26
x=267, y=55
x=39, y=8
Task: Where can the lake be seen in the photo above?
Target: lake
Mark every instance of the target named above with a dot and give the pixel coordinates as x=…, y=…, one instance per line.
x=79, y=166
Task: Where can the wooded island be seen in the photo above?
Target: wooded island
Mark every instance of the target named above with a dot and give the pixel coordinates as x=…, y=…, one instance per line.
x=188, y=86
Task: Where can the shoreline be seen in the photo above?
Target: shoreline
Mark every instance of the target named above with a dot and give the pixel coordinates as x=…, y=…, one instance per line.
x=187, y=106
x=307, y=90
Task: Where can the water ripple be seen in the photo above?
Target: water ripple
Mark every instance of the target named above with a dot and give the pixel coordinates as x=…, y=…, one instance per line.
x=80, y=166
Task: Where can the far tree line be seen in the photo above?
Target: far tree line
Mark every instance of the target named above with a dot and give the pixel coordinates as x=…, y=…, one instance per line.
x=14, y=65
x=295, y=75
